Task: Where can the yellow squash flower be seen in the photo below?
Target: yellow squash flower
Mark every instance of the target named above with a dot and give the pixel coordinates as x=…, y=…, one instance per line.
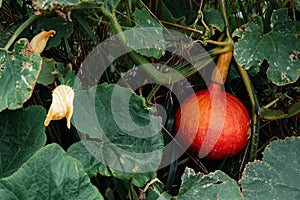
x=38, y=42
x=62, y=105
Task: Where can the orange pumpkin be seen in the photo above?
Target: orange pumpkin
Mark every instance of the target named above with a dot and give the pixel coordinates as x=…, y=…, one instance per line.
x=213, y=123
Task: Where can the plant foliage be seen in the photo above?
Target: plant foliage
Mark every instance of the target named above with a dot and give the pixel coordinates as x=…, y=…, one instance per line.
x=122, y=131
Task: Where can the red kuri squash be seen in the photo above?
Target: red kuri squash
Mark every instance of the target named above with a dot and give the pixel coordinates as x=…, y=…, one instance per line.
x=213, y=123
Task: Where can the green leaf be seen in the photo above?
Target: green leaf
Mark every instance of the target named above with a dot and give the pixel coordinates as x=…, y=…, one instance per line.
x=277, y=175
x=49, y=174
x=92, y=155
x=216, y=185
x=52, y=69
x=155, y=190
x=278, y=17
x=80, y=151
x=128, y=122
x=22, y=133
x=127, y=137
x=166, y=14
x=147, y=37
x=181, y=9
x=163, y=196
x=46, y=76
x=63, y=28
x=214, y=20
x=297, y=4
x=18, y=75
x=71, y=79
x=280, y=47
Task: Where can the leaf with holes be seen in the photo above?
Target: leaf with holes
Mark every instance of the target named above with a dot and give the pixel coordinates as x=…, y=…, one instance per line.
x=147, y=36
x=277, y=175
x=19, y=71
x=280, y=47
x=216, y=185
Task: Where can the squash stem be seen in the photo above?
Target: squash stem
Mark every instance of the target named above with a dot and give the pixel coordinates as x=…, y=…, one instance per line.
x=220, y=72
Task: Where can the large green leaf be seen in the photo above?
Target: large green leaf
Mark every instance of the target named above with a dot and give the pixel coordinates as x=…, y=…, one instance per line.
x=125, y=136
x=49, y=174
x=147, y=37
x=278, y=175
x=216, y=185
x=21, y=135
x=280, y=48
x=18, y=75
x=114, y=140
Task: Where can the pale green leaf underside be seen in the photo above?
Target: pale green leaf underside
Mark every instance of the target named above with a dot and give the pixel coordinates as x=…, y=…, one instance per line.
x=277, y=175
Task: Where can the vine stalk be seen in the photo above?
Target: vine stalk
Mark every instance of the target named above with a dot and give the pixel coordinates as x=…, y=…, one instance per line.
x=21, y=28
x=255, y=109
x=143, y=63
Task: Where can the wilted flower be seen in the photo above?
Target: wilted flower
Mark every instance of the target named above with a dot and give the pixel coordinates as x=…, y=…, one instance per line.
x=38, y=42
x=62, y=105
